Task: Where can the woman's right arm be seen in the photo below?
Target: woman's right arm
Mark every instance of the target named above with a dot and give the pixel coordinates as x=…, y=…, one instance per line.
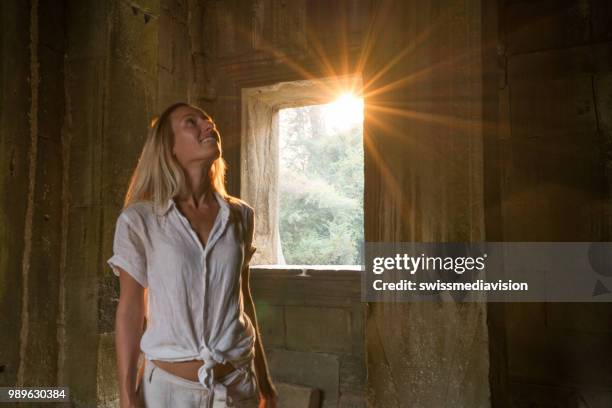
x=129, y=325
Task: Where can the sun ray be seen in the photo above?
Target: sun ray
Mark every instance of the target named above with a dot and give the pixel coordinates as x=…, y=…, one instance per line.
x=420, y=39
x=397, y=84
x=433, y=118
x=345, y=112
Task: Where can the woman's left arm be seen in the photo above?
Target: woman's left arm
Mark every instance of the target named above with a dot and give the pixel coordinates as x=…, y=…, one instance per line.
x=264, y=380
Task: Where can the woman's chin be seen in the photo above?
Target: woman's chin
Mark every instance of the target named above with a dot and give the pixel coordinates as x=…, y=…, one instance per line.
x=209, y=156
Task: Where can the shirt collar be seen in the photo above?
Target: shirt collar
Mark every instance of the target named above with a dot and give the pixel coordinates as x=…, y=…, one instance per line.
x=223, y=204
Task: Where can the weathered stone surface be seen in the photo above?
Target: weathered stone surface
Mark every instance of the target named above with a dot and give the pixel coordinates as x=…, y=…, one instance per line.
x=552, y=109
x=108, y=392
x=31, y=191
x=601, y=15
x=297, y=396
x=104, y=70
x=546, y=24
x=86, y=78
x=352, y=375
x=15, y=143
x=318, y=329
x=555, y=187
x=552, y=64
x=423, y=182
x=319, y=287
x=421, y=357
x=316, y=370
x=603, y=94
x=534, y=395
x=339, y=335
x=351, y=401
x=39, y=364
x=358, y=311
x=563, y=355
x=582, y=317
x=174, y=56
x=271, y=320
x=597, y=398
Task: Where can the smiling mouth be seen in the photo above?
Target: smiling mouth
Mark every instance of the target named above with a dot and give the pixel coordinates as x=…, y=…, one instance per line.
x=208, y=139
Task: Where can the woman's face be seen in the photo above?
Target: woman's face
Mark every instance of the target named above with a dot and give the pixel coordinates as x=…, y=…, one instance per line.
x=195, y=137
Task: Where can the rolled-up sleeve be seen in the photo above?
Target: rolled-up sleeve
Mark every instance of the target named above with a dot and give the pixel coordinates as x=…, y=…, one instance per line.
x=128, y=251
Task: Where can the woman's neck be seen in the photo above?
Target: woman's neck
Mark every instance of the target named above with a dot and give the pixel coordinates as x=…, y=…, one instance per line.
x=198, y=189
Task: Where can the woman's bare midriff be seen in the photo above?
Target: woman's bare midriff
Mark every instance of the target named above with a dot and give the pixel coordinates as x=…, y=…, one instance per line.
x=189, y=369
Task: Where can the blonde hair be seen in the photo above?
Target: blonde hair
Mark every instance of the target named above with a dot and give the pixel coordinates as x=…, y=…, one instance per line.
x=158, y=176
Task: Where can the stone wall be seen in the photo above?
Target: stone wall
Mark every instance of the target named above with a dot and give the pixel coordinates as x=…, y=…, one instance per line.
x=554, y=164
x=425, y=182
x=92, y=74
x=79, y=86
x=32, y=125
x=466, y=121
x=312, y=328
x=15, y=156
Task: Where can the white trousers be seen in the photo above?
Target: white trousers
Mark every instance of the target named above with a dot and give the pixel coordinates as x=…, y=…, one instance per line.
x=161, y=389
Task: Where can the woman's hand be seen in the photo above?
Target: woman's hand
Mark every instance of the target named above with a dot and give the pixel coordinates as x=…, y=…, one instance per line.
x=136, y=400
x=268, y=401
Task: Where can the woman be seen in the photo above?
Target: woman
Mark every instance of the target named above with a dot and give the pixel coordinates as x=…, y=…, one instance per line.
x=181, y=250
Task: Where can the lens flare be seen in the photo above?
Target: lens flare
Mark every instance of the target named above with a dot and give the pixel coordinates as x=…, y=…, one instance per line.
x=345, y=112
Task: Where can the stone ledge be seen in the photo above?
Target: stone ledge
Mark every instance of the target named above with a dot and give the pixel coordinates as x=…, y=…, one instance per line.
x=297, y=396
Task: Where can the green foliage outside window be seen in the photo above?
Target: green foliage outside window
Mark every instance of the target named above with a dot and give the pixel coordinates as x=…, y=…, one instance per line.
x=320, y=188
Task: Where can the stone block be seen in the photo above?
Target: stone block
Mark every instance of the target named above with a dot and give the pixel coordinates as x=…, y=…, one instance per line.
x=554, y=64
x=352, y=374
x=318, y=329
x=316, y=370
x=271, y=321
x=597, y=398
x=297, y=396
x=437, y=355
x=357, y=329
x=603, y=95
x=108, y=391
x=545, y=25
x=165, y=50
x=352, y=401
x=552, y=109
x=601, y=15
x=86, y=87
x=87, y=29
x=535, y=395
x=583, y=317
x=555, y=352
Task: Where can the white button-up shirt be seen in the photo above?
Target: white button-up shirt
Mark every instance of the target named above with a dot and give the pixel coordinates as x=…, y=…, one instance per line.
x=195, y=304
